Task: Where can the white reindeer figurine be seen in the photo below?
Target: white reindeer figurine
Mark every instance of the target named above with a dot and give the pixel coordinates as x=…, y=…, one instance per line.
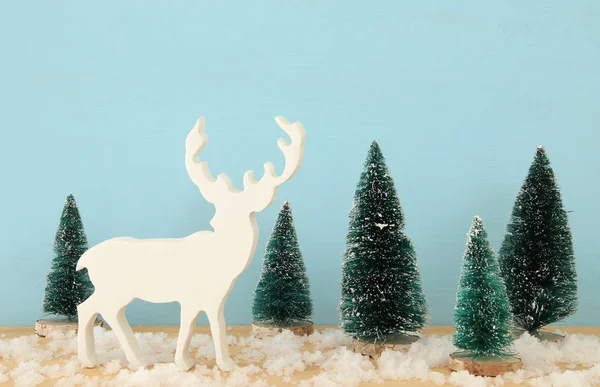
x=198, y=271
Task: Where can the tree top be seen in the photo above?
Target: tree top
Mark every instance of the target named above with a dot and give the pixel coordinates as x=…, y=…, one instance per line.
x=476, y=226
x=374, y=148
x=70, y=201
x=478, y=247
x=541, y=157
x=477, y=229
x=375, y=157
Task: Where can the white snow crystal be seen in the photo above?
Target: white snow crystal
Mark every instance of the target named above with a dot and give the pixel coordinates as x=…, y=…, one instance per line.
x=64, y=342
x=112, y=367
x=23, y=348
x=241, y=376
x=3, y=376
x=568, y=378
x=284, y=365
x=284, y=355
x=56, y=370
x=27, y=373
x=329, y=338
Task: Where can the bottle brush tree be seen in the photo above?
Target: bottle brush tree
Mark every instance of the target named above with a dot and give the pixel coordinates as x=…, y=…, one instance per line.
x=65, y=287
x=482, y=315
x=381, y=295
x=536, y=256
x=282, y=296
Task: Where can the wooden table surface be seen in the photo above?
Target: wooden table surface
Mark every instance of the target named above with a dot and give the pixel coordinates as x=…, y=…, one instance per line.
x=10, y=332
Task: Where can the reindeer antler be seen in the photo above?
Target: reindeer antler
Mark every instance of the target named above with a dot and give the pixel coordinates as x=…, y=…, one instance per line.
x=212, y=188
x=292, y=152
x=198, y=170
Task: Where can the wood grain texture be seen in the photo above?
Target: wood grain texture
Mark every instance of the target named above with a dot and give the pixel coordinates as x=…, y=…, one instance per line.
x=483, y=366
x=11, y=332
x=44, y=327
x=401, y=343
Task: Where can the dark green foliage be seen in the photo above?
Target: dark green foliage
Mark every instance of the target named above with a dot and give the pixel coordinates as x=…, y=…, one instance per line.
x=65, y=287
x=482, y=315
x=536, y=257
x=381, y=285
x=282, y=295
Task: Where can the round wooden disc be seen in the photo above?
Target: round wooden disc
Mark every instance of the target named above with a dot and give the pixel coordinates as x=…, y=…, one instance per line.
x=44, y=327
x=540, y=335
x=400, y=342
x=266, y=328
x=483, y=365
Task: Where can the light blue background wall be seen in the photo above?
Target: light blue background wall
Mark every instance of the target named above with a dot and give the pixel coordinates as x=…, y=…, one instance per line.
x=96, y=100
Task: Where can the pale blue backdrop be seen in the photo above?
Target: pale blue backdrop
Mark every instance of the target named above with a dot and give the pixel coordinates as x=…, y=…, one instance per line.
x=96, y=100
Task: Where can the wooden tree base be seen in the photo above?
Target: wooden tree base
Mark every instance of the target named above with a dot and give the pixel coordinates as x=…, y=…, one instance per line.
x=483, y=365
x=44, y=327
x=266, y=328
x=540, y=335
x=374, y=349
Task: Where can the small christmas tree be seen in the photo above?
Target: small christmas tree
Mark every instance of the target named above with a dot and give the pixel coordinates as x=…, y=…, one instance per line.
x=381, y=286
x=536, y=257
x=282, y=296
x=482, y=314
x=65, y=287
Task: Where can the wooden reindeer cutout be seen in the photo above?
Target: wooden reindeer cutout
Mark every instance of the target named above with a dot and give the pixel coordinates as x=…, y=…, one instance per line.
x=198, y=271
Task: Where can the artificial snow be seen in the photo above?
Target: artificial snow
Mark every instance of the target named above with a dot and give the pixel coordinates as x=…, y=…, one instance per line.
x=23, y=348
x=323, y=359
x=3, y=376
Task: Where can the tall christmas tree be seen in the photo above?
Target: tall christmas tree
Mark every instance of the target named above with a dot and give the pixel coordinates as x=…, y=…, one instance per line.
x=482, y=314
x=536, y=257
x=282, y=296
x=381, y=286
x=65, y=287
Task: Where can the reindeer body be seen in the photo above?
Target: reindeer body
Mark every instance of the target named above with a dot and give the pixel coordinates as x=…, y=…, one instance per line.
x=188, y=259
x=197, y=271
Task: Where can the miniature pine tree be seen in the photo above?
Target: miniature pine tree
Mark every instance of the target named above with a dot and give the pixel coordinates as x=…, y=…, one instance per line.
x=65, y=287
x=536, y=257
x=482, y=314
x=282, y=295
x=381, y=293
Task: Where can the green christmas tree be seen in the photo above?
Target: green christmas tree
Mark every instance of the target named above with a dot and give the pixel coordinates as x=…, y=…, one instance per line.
x=482, y=314
x=536, y=257
x=381, y=286
x=282, y=296
x=65, y=287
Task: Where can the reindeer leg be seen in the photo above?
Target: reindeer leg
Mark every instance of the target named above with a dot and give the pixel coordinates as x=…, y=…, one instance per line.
x=86, y=348
x=183, y=360
x=218, y=329
x=126, y=337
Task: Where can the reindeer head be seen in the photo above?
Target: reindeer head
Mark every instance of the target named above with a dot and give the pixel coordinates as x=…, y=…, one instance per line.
x=256, y=195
